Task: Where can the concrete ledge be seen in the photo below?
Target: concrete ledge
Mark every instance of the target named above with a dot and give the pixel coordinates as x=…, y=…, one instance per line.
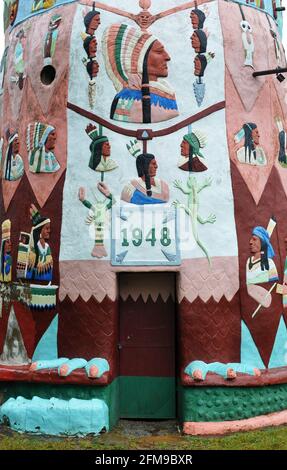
x=225, y=427
x=268, y=377
x=50, y=376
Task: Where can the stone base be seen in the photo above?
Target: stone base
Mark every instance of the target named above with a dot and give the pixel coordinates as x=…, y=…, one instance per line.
x=225, y=427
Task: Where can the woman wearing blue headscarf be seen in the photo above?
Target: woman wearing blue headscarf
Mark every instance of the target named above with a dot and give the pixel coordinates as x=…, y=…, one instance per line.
x=260, y=266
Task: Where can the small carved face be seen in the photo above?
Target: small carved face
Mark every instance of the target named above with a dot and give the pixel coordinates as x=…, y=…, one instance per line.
x=184, y=146
x=94, y=24
x=7, y=246
x=197, y=67
x=157, y=61
x=195, y=42
x=106, y=149
x=256, y=136
x=153, y=168
x=246, y=27
x=194, y=20
x=24, y=239
x=95, y=68
x=254, y=245
x=93, y=46
x=144, y=19
x=51, y=141
x=45, y=232
x=15, y=146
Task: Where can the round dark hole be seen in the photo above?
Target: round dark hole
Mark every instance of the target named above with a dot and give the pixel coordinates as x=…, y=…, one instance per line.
x=48, y=74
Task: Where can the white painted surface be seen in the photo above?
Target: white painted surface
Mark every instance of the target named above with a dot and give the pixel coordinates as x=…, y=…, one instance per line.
x=220, y=238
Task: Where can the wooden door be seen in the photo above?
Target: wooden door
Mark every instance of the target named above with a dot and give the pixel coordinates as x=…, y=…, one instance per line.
x=147, y=345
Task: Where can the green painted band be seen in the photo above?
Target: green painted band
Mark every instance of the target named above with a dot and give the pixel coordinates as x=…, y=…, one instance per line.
x=214, y=404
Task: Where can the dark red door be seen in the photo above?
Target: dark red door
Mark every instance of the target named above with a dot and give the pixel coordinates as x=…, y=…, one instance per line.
x=147, y=345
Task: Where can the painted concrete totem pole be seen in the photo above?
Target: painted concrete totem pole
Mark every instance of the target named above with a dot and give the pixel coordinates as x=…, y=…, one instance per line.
x=143, y=204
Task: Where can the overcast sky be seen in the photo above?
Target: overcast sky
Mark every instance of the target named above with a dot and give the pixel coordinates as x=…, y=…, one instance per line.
x=2, y=36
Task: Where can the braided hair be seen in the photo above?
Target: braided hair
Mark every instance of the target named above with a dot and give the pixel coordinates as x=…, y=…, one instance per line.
x=143, y=163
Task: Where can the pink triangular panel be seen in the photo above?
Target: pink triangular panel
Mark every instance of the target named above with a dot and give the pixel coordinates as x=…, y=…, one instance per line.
x=44, y=183
x=16, y=95
x=9, y=189
x=13, y=124
x=255, y=177
x=60, y=59
x=246, y=85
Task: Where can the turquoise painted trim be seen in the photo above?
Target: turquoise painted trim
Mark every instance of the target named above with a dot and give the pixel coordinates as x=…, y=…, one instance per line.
x=50, y=364
x=47, y=348
x=279, y=352
x=109, y=394
x=101, y=364
x=268, y=9
x=73, y=364
x=25, y=7
x=218, y=368
x=55, y=416
x=249, y=351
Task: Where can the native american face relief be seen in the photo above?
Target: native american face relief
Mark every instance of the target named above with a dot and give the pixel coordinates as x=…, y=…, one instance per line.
x=93, y=47
x=35, y=260
x=92, y=21
x=93, y=68
x=260, y=267
x=199, y=41
x=199, y=44
x=157, y=61
x=250, y=153
x=13, y=165
x=147, y=188
x=191, y=155
x=100, y=151
x=41, y=142
x=137, y=64
x=198, y=18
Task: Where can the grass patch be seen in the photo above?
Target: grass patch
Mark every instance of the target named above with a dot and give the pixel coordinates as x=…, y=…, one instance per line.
x=265, y=439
